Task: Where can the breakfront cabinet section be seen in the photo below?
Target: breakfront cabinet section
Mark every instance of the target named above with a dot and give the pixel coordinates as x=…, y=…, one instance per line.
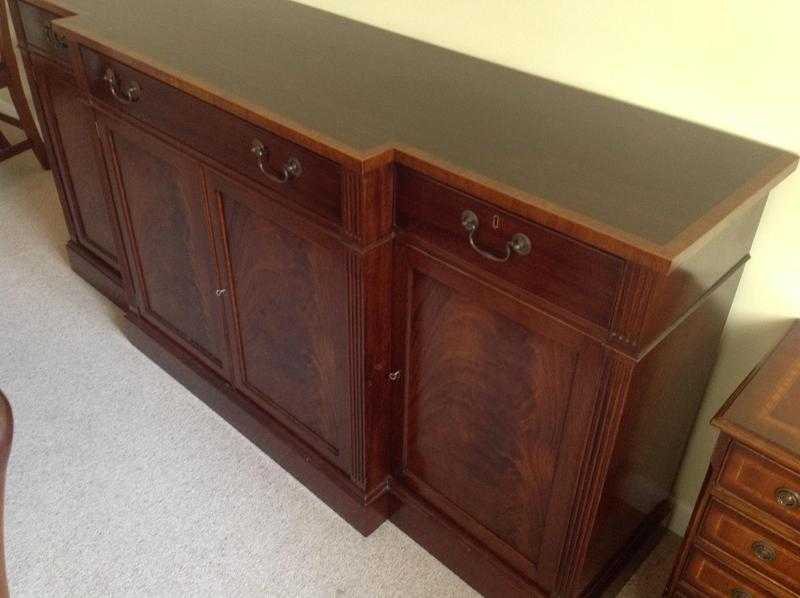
x=166, y=223
x=70, y=122
x=265, y=296
x=502, y=349
x=496, y=396
x=67, y=122
x=287, y=306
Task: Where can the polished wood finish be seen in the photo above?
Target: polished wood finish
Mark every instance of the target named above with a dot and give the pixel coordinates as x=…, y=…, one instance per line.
x=559, y=155
x=692, y=273
x=38, y=33
x=747, y=516
x=708, y=577
x=500, y=413
x=755, y=479
x=73, y=151
x=6, y=436
x=493, y=391
x=736, y=534
x=766, y=411
x=566, y=274
x=68, y=119
x=647, y=457
x=287, y=309
x=365, y=512
x=222, y=137
x=159, y=197
x=97, y=273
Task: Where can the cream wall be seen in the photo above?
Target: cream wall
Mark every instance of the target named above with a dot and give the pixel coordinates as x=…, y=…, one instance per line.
x=730, y=64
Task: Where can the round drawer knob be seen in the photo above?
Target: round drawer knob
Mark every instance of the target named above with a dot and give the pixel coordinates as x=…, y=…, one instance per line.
x=763, y=551
x=787, y=498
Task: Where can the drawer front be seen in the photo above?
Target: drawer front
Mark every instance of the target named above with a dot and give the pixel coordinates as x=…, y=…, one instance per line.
x=564, y=272
x=711, y=578
x=39, y=34
x=763, y=483
x=752, y=544
x=220, y=135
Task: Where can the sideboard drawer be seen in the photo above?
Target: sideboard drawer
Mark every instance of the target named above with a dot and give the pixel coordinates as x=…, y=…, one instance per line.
x=763, y=483
x=314, y=182
x=711, y=578
x=39, y=34
x=564, y=272
x=775, y=557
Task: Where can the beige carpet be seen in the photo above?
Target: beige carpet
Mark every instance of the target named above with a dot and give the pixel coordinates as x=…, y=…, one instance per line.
x=121, y=483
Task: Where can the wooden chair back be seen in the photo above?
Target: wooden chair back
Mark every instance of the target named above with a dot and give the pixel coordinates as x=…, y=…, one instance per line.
x=10, y=78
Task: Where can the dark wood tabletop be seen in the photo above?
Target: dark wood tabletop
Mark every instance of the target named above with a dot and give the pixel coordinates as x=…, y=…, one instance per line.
x=359, y=90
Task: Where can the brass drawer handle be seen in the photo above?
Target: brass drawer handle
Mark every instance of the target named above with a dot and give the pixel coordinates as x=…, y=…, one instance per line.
x=787, y=498
x=763, y=551
x=740, y=593
x=519, y=243
x=56, y=39
x=130, y=94
x=290, y=169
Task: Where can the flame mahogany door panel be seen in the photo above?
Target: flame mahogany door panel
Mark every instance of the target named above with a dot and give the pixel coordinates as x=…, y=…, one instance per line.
x=495, y=400
x=162, y=206
x=288, y=310
x=70, y=122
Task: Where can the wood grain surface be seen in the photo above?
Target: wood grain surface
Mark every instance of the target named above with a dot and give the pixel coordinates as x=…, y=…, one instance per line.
x=737, y=534
x=767, y=410
x=494, y=391
x=363, y=95
x=159, y=196
x=287, y=309
x=505, y=414
x=68, y=120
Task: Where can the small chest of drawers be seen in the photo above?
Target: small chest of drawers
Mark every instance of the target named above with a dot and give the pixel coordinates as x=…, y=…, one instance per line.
x=744, y=538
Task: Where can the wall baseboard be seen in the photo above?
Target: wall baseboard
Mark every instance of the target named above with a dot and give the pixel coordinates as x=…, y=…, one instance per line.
x=681, y=514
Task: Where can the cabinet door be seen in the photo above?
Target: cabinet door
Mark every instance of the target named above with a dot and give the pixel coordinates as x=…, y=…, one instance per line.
x=167, y=232
x=495, y=400
x=288, y=284
x=71, y=125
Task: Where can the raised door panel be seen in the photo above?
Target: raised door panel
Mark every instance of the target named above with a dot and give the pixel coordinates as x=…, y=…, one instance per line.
x=160, y=195
x=494, y=391
x=71, y=124
x=289, y=313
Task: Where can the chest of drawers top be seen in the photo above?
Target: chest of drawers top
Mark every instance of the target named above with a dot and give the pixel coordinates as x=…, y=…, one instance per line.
x=765, y=411
x=744, y=537
x=628, y=180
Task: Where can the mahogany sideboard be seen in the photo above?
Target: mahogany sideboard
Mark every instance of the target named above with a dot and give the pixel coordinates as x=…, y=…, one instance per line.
x=744, y=537
x=475, y=302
